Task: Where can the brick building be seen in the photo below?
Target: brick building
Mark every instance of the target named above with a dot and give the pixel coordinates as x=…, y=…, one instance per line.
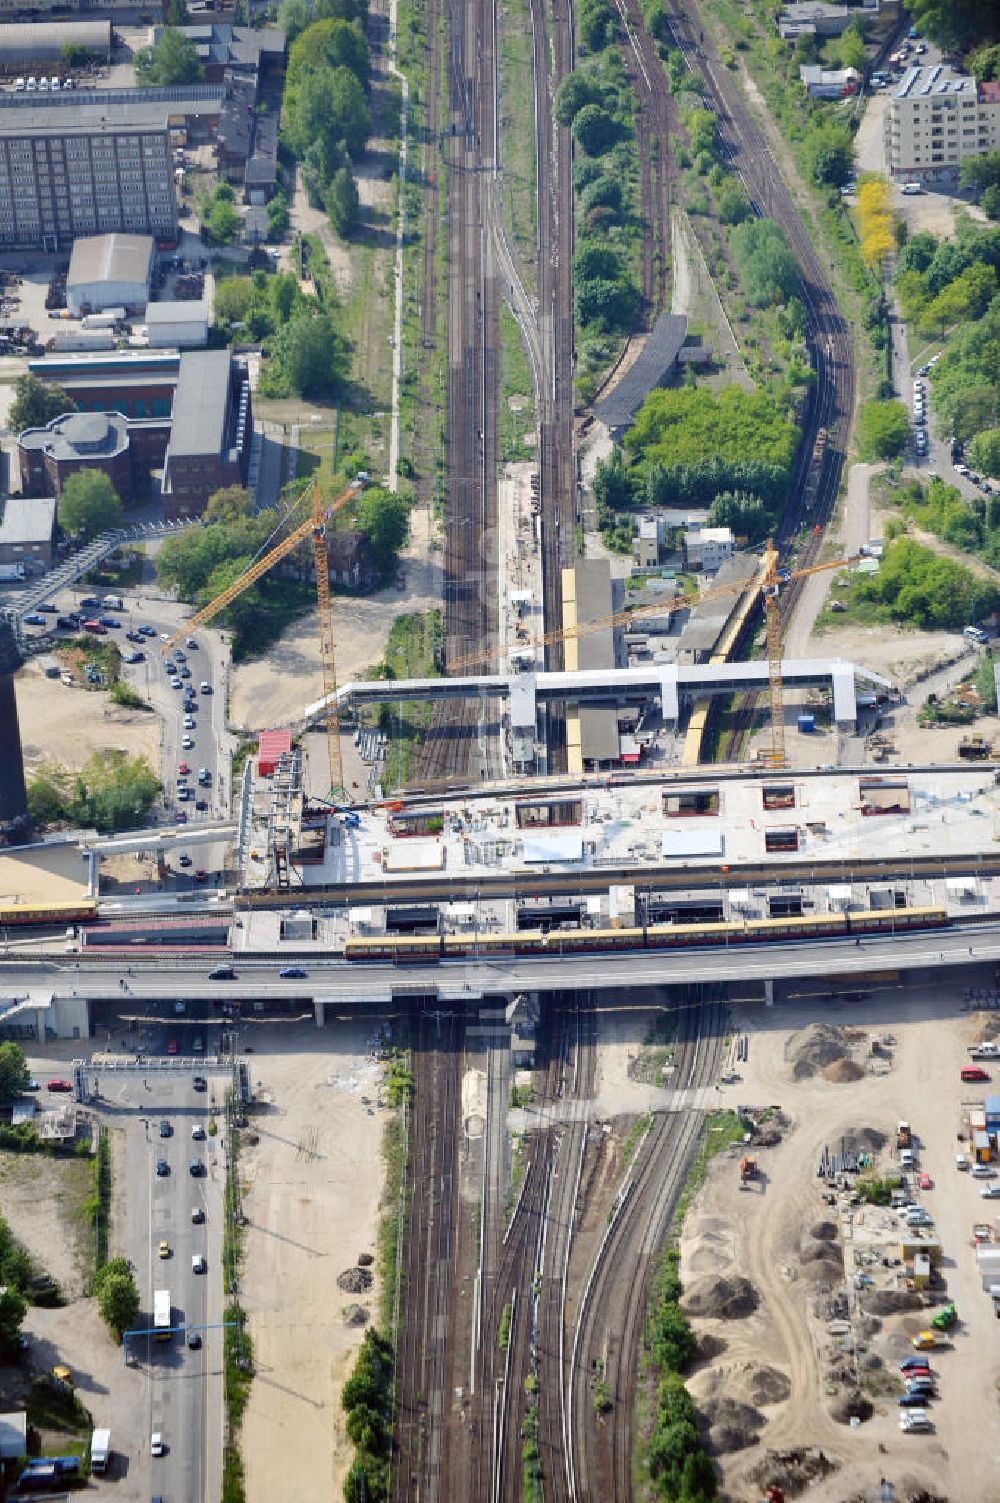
x=211, y=431
x=125, y=451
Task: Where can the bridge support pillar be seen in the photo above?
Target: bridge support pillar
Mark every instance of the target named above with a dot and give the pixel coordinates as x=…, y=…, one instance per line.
x=769, y=993
x=320, y=1009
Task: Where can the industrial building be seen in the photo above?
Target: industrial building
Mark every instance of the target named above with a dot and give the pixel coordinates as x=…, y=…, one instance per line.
x=934, y=118
x=126, y=450
x=137, y=384
x=109, y=271
x=708, y=548
x=177, y=325
x=41, y=44
x=27, y=532
x=211, y=431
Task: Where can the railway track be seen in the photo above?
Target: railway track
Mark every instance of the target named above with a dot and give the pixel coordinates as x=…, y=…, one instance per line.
x=611, y=1314
x=426, y=1279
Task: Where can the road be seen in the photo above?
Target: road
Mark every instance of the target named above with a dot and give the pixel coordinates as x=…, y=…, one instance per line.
x=211, y=742
x=338, y=983
x=180, y=1389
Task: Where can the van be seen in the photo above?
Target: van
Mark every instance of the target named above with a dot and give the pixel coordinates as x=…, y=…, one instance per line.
x=19, y=86
x=206, y=688
x=975, y=634
x=907, y=1158
x=973, y=1074
x=912, y=188
x=32, y=84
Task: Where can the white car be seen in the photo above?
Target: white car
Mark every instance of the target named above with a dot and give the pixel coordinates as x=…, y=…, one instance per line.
x=961, y=469
x=156, y=1446
x=189, y=724
x=198, y=1264
x=914, y=1419
x=990, y=1192
x=983, y=1171
x=187, y=742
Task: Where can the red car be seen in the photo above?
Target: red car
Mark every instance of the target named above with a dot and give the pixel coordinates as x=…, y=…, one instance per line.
x=925, y=1182
x=184, y=769
x=96, y=628
x=172, y=1047
x=200, y=874
x=58, y=1085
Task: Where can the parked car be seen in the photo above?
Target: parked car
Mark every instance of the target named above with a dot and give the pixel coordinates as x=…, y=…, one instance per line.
x=58, y=1085
x=193, y=1340
x=197, y=1215
x=156, y=1446
x=135, y=657
x=925, y=1182
x=109, y=621
x=145, y=628
x=201, y=805
x=191, y=644
x=908, y=1364
x=187, y=742
x=196, y=1168
x=184, y=860
x=34, y=619
x=166, y=1131
x=164, y=1248
x=162, y=1168
x=983, y=1171
x=911, y=1400
x=990, y=1192
x=90, y=602
x=189, y=724
x=198, y=1133
x=67, y=623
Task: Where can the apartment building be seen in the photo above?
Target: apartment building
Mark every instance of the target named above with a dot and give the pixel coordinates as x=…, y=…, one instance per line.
x=935, y=117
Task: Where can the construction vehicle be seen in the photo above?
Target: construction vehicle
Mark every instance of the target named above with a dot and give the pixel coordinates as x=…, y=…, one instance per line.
x=945, y=1318
x=904, y=1138
x=748, y=1171
x=314, y=528
x=974, y=748
x=771, y=580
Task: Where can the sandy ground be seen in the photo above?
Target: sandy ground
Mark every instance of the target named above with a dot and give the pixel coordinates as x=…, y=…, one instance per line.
x=69, y=723
x=32, y=876
x=760, y=1235
x=313, y=1184
x=274, y=690
x=39, y=1196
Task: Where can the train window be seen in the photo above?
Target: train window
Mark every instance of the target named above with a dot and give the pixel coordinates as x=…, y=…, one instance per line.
x=778, y=795
x=785, y=839
x=682, y=803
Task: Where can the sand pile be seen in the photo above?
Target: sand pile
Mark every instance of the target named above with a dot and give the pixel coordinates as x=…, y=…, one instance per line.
x=983, y=1027
x=728, y=1298
x=768, y=1385
x=824, y=1231
x=841, y=1071
x=793, y=1470
x=732, y=1426
x=813, y=1048
x=823, y=1271
x=870, y=1137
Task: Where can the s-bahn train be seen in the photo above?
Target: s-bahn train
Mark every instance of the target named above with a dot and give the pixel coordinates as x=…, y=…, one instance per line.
x=413, y=948
x=24, y=915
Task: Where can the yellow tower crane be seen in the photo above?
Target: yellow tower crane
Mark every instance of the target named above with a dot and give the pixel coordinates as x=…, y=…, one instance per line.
x=315, y=529
x=771, y=579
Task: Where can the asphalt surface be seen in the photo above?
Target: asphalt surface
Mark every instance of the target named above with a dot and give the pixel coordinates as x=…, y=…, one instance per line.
x=341, y=983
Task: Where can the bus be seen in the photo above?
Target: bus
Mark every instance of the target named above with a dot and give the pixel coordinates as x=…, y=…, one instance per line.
x=161, y=1314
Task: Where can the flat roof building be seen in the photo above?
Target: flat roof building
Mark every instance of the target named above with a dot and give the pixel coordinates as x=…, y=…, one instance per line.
x=174, y=325
x=659, y=355
x=211, y=433
x=27, y=530
x=934, y=118
x=24, y=44
x=109, y=271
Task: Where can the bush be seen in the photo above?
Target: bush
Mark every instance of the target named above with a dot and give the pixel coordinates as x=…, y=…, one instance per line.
x=916, y=587
x=883, y=428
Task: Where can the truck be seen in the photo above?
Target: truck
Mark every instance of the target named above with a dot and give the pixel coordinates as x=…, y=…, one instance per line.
x=100, y=1450
x=904, y=1138
x=113, y=603
x=12, y=571
x=945, y=1318
x=161, y=1314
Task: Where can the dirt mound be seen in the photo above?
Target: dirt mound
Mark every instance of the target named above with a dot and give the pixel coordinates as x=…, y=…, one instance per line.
x=768, y=1385
x=890, y=1301
x=793, y=1471
x=732, y=1426
x=355, y=1315
x=729, y=1298
x=852, y=1405
x=870, y=1137
x=365, y=1260
x=983, y=1027
x=841, y=1071
x=355, y=1280
x=815, y=1252
x=824, y=1231
x=709, y=1260
x=813, y=1048
x=824, y=1271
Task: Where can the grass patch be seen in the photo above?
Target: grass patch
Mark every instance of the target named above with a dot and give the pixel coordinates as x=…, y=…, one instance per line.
x=517, y=131
x=518, y=1166
x=237, y=1347
x=656, y=1053
x=412, y=651
x=634, y=1136
x=95, y=1212
x=721, y=1129
x=392, y=1228
x=517, y=414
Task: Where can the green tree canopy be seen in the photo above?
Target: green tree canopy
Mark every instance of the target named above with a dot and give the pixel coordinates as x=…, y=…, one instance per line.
x=36, y=403
x=915, y=586
x=957, y=24
x=984, y=452
x=746, y=514
x=768, y=270
x=883, y=428
x=692, y=425
x=13, y=1309
x=329, y=44
x=384, y=519
x=342, y=203
x=312, y=354
x=220, y=219
x=576, y=90
x=830, y=150
x=118, y=1301
x=89, y=504
x=980, y=171
x=14, y=1073
x=327, y=106
x=595, y=130
x=173, y=60
x=851, y=48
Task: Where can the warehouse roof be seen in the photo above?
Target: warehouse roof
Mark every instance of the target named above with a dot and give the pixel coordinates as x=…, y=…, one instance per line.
x=27, y=520
x=661, y=349
x=201, y=403
x=105, y=109
x=110, y=258
x=43, y=39
x=176, y=311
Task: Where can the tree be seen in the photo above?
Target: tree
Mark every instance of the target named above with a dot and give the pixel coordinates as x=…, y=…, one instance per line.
x=329, y=44
x=341, y=202
x=89, y=504
x=979, y=171
x=233, y=296
x=883, y=428
x=14, y=1074
x=595, y=130
x=830, y=150
x=13, y=1309
x=990, y=201
x=294, y=16
x=702, y=128
x=612, y=484
x=327, y=106
x=984, y=452
x=575, y=91
x=968, y=296
x=852, y=49
x=220, y=218
x=957, y=24
x=384, y=519
x=768, y=270
x=745, y=514
x=173, y=60
x=312, y=354
x=117, y=1299
x=732, y=202
x=36, y=403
